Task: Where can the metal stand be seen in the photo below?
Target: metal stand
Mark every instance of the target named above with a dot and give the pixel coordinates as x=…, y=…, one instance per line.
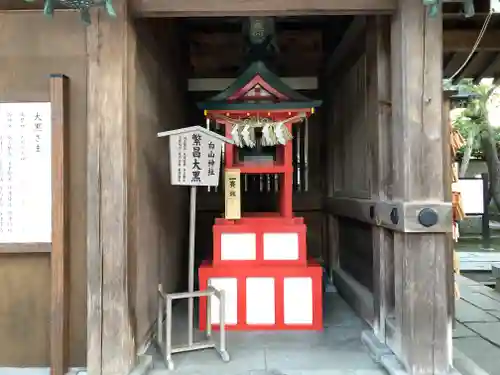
x=165, y=304
x=192, y=231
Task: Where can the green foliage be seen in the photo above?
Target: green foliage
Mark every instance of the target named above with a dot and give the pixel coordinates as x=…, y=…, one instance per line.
x=473, y=120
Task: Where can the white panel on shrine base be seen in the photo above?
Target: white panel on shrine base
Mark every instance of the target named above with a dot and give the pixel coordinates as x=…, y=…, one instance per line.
x=238, y=246
x=281, y=246
x=298, y=300
x=261, y=307
x=230, y=286
x=25, y=173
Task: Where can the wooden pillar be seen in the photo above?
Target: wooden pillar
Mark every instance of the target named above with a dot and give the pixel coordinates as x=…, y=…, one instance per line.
x=379, y=113
x=111, y=52
x=422, y=319
x=59, y=325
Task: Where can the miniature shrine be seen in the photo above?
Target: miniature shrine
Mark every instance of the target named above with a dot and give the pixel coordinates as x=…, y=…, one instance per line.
x=260, y=259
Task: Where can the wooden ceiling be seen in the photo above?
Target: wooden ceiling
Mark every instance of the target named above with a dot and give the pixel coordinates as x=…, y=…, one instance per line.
x=216, y=45
x=462, y=35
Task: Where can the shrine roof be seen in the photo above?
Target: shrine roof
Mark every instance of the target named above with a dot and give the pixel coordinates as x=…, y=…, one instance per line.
x=257, y=88
x=193, y=129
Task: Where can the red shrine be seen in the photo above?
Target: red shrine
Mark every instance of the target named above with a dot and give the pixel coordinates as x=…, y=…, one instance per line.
x=260, y=259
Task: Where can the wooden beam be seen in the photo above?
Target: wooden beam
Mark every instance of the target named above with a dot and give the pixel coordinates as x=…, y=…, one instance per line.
x=111, y=53
x=352, y=35
x=378, y=44
x=304, y=201
x=464, y=40
x=380, y=212
x=422, y=320
x=26, y=248
x=217, y=8
x=219, y=84
x=493, y=68
x=454, y=64
x=59, y=259
x=461, y=16
x=21, y=5
x=476, y=65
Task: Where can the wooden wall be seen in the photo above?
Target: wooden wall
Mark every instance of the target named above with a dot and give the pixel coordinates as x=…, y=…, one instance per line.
x=159, y=220
x=350, y=157
x=157, y=211
x=27, y=57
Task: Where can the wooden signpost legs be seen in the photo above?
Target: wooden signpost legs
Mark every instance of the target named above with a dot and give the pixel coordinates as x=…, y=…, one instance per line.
x=192, y=229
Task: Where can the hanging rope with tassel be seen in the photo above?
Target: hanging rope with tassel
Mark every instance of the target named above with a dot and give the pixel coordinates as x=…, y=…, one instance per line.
x=82, y=5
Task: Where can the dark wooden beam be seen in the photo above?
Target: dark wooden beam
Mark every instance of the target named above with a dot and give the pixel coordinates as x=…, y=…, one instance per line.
x=464, y=40
x=111, y=53
x=60, y=278
x=422, y=341
x=217, y=8
x=379, y=212
x=493, y=68
x=476, y=65
x=23, y=5
x=454, y=64
x=306, y=201
x=461, y=16
x=351, y=36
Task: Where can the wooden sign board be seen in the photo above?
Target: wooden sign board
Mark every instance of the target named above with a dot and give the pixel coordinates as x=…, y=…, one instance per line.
x=232, y=193
x=472, y=193
x=195, y=156
x=25, y=173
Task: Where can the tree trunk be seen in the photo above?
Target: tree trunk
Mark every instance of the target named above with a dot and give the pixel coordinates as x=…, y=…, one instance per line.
x=490, y=152
x=467, y=154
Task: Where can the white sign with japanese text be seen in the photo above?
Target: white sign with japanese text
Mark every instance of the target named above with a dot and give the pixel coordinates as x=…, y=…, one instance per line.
x=25, y=173
x=195, y=159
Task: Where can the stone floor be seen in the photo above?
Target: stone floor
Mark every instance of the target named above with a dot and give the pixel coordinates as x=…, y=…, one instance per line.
x=335, y=351
x=338, y=349
x=477, y=331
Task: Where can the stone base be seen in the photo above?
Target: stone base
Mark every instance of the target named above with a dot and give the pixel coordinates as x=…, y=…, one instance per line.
x=383, y=355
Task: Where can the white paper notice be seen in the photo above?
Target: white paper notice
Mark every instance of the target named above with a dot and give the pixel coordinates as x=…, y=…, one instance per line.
x=195, y=159
x=25, y=173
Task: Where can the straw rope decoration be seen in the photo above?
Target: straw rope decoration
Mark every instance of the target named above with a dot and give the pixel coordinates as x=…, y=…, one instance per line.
x=273, y=133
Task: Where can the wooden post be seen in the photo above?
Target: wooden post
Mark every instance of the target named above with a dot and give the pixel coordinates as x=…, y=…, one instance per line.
x=379, y=96
x=111, y=52
x=59, y=325
x=422, y=319
x=486, y=234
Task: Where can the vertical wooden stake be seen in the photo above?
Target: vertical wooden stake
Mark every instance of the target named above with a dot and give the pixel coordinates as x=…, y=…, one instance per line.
x=59, y=324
